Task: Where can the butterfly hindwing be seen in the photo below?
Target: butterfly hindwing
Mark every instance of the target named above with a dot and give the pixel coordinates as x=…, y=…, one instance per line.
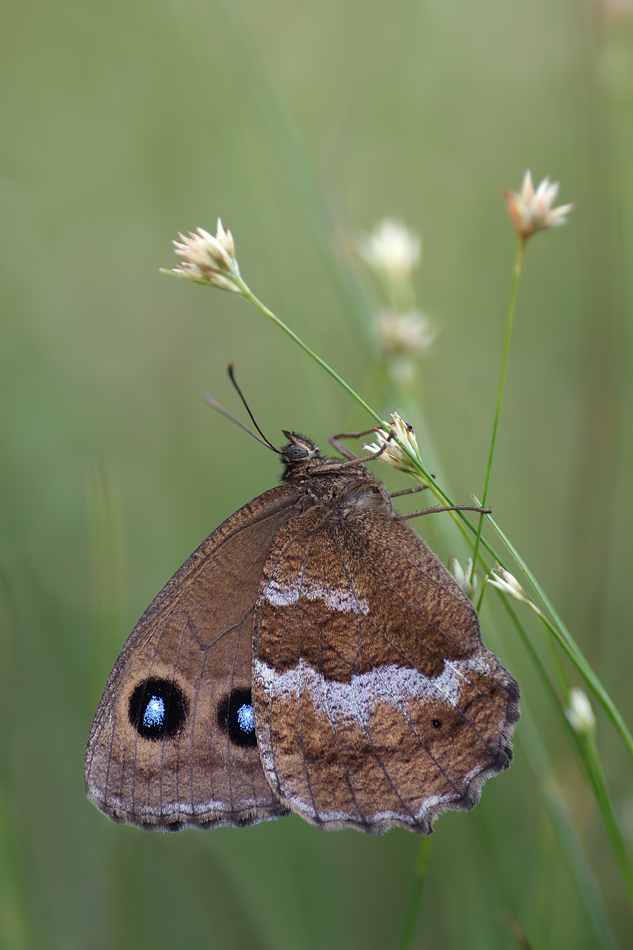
x=376, y=702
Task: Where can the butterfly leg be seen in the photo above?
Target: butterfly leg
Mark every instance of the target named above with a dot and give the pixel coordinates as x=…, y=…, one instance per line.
x=409, y=491
x=436, y=508
x=347, y=453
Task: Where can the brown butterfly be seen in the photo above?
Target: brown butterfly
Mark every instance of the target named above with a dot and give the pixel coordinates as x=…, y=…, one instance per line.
x=312, y=655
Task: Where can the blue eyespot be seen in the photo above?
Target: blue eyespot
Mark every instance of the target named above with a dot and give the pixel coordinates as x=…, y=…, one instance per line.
x=154, y=714
x=246, y=718
x=236, y=718
x=157, y=709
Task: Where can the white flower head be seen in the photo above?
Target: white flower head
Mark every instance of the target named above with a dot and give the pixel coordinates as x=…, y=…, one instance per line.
x=508, y=583
x=531, y=209
x=393, y=455
x=408, y=335
x=463, y=576
x=207, y=259
x=391, y=250
x=579, y=713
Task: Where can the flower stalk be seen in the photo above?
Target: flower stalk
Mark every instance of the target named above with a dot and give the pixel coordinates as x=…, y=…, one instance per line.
x=531, y=210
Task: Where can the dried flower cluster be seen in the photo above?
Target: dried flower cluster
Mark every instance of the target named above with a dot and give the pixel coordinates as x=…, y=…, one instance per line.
x=531, y=209
x=392, y=454
x=206, y=259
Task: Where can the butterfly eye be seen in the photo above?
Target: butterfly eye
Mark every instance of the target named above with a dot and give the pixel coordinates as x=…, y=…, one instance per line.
x=294, y=453
x=157, y=709
x=436, y=723
x=237, y=718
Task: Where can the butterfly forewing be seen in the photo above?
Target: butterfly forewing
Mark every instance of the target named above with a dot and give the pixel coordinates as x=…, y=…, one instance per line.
x=173, y=741
x=376, y=702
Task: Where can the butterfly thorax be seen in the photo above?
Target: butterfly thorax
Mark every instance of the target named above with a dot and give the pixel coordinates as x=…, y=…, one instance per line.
x=330, y=482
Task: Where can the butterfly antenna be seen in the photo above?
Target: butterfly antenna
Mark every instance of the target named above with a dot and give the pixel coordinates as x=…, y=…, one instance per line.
x=229, y=415
x=263, y=439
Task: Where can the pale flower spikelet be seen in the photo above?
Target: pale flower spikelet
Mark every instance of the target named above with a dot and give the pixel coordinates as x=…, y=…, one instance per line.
x=579, y=713
x=391, y=250
x=207, y=259
x=507, y=582
x=463, y=576
x=393, y=455
x=531, y=209
x=401, y=335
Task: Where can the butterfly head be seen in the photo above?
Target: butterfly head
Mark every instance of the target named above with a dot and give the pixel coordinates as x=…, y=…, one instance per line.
x=298, y=455
x=338, y=479
x=299, y=448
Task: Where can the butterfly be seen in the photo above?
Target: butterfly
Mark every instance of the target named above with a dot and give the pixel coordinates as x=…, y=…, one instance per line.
x=312, y=656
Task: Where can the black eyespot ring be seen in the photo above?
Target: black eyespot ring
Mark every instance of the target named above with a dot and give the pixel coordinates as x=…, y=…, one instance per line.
x=157, y=709
x=436, y=723
x=237, y=719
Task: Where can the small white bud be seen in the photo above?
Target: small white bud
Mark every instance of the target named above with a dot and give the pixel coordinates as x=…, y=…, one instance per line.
x=579, y=713
x=463, y=576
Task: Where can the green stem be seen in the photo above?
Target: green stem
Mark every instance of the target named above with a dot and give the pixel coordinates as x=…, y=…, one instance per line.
x=424, y=476
x=557, y=662
x=250, y=296
x=591, y=761
x=502, y=379
x=416, y=894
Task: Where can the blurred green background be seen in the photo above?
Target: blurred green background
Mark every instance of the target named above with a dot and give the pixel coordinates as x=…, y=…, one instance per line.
x=301, y=124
